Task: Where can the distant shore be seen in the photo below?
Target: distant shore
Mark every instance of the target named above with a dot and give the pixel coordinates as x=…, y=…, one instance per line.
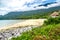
x=29, y=22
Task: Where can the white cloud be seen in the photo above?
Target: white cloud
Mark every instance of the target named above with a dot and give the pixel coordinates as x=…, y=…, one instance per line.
x=19, y=5
x=43, y=0
x=53, y=5
x=15, y=5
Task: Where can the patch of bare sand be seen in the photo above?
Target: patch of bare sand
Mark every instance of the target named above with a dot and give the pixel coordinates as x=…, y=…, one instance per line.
x=33, y=22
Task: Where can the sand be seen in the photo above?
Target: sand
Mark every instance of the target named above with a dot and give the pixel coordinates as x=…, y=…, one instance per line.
x=30, y=22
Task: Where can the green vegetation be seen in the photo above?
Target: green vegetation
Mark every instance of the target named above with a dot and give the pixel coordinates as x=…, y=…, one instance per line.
x=52, y=21
x=28, y=15
x=49, y=32
x=45, y=32
x=33, y=16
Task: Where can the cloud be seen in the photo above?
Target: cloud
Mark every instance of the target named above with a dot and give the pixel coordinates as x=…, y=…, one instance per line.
x=12, y=5
x=57, y=0
x=23, y=5
x=17, y=5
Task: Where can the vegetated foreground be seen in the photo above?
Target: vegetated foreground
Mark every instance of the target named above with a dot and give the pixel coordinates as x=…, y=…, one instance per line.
x=49, y=31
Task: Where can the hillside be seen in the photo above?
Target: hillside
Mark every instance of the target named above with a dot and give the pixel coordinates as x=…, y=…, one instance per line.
x=30, y=14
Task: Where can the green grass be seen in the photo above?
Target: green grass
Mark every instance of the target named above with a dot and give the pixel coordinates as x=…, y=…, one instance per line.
x=46, y=32
x=49, y=31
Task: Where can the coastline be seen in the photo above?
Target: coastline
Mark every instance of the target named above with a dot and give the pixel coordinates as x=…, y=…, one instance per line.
x=29, y=22
x=17, y=29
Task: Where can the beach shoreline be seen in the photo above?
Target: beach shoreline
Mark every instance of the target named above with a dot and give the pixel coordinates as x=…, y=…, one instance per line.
x=6, y=33
x=29, y=22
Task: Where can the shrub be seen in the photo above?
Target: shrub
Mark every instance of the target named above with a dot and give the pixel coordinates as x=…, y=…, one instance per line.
x=39, y=37
x=52, y=21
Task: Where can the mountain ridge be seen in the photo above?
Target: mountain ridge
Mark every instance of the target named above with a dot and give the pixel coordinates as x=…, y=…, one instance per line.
x=28, y=13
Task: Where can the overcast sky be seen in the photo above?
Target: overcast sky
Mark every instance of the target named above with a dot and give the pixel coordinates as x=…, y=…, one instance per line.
x=24, y=5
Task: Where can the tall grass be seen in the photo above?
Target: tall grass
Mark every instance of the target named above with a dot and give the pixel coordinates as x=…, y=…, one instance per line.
x=50, y=31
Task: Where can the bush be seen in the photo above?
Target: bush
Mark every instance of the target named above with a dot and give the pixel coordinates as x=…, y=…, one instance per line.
x=52, y=21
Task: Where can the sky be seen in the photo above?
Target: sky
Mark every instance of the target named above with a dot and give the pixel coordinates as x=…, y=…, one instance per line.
x=24, y=5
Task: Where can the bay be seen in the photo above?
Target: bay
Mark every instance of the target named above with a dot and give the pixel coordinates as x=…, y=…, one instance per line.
x=4, y=23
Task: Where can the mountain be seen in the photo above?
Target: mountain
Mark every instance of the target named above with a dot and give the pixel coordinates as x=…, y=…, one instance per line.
x=14, y=15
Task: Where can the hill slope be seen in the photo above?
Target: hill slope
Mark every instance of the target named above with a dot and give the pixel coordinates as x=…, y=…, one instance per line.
x=24, y=14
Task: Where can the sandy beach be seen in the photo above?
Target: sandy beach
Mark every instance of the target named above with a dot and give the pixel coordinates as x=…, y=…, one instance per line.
x=6, y=33
x=29, y=22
